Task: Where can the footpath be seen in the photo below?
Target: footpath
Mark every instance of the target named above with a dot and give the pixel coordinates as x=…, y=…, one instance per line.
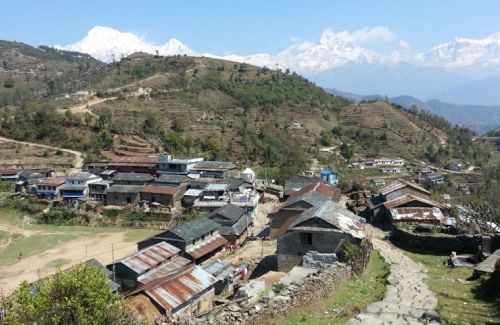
x=408, y=300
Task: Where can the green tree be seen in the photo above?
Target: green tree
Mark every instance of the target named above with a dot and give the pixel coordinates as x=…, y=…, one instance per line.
x=8, y=83
x=346, y=151
x=179, y=124
x=79, y=295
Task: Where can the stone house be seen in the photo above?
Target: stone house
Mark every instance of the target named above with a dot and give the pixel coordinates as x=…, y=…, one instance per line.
x=233, y=221
x=198, y=239
x=309, y=196
x=295, y=184
x=31, y=177
x=163, y=195
x=321, y=229
x=123, y=194
x=98, y=191
x=394, y=190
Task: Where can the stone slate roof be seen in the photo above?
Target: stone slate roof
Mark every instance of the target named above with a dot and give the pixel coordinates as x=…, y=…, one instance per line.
x=81, y=176
x=214, y=165
x=230, y=211
x=195, y=228
x=330, y=212
x=132, y=177
x=232, y=182
x=124, y=189
x=171, y=178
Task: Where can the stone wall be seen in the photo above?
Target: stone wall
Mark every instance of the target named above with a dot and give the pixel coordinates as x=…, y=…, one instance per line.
x=436, y=243
x=315, y=286
x=291, y=249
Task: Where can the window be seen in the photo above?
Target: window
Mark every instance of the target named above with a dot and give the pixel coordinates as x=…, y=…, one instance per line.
x=306, y=239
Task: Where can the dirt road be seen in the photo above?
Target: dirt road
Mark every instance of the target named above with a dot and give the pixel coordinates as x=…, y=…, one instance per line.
x=103, y=247
x=78, y=162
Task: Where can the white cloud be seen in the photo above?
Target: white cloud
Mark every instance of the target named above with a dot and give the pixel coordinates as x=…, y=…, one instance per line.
x=364, y=35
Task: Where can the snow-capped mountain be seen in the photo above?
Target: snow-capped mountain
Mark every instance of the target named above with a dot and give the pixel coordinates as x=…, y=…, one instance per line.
x=332, y=51
x=463, y=52
x=108, y=44
x=342, y=60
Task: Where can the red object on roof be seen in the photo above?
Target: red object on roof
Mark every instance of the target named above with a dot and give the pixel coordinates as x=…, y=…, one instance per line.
x=159, y=190
x=149, y=257
x=431, y=215
x=409, y=198
x=207, y=247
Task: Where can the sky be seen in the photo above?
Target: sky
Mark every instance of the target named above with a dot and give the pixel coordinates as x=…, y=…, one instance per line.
x=246, y=27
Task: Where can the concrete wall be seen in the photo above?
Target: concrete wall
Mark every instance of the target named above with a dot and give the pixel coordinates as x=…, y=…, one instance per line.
x=291, y=249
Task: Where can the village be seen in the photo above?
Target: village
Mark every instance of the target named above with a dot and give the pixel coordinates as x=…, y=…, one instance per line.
x=237, y=249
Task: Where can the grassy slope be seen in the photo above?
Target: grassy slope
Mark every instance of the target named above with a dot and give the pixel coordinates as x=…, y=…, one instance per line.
x=356, y=293
x=457, y=303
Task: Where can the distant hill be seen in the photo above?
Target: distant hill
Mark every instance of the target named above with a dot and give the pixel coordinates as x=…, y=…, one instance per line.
x=480, y=118
x=202, y=106
x=420, y=82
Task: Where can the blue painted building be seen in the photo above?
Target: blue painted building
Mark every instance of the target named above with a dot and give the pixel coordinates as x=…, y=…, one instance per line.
x=330, y=177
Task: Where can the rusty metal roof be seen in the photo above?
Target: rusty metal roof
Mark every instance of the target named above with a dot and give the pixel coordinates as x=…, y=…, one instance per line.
x=150, y=257
x=415, y=214
x=207, y=246
x=409, y=198
x=174, y=264
x=171, y=292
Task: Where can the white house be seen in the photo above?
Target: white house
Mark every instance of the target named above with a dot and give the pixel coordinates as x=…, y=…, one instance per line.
x=248, y=175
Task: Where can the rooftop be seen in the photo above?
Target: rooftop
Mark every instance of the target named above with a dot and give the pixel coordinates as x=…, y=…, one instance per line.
x=53, y=181
x=150, y=257
x=173, y=291
x=220, y=269
x=124, y=189
x=217, y=187
x=399, y=184
x=214, y=165
x=133, y=177
x=229, y=211
x=332, y=213
x=409, y=198
x=178, y=160
x=195, y=228
x=135, y=159
x=174, y=264
x=416, y=214
x=81, y=176
x=171, y=178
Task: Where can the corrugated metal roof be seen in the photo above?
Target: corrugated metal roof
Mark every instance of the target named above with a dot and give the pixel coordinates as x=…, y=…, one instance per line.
x=216, y=187
x=409, y=198
x=398, y=184
x=150, y=257
x=193, y=192
x=207, y=246
x=174, y=264
x=173, y=291
x=401, y=214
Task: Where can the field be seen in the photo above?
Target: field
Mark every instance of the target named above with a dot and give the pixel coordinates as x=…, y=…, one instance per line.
x=31, y=251
x=12, y=154
x=352, y=296
x=460, y=300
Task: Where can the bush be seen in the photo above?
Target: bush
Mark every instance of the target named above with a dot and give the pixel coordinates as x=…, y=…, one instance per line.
x=278, y=287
